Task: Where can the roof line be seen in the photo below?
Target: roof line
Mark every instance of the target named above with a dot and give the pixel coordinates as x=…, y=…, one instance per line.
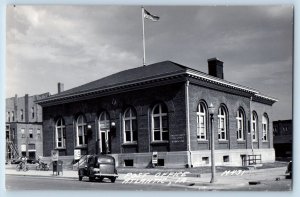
x=215, y=79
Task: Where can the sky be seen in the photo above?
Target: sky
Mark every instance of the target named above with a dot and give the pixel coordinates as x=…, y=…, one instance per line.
x=78, y=44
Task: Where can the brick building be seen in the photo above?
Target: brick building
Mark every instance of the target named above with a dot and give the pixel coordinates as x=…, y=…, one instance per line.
x=24, y=127
x=160, y=108
x=283, y=138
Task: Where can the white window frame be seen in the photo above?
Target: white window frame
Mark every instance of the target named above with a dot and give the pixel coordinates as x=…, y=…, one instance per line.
x=265, y=128
x=22, y=114
x=38, y=133
x=32, y=113
x=13, y=116
x=201, y=122
x=8, y=116
x=131, y=118
x=240, y=125
x=103, y=129
x=81, y=125
x=161, y=129
x=30, y=132
x=254, y=126
x=62, y=130
x=23, y=133
x=222, y=117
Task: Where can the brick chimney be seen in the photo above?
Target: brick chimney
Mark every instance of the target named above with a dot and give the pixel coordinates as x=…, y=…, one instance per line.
x=60, y=87
x=215, y=68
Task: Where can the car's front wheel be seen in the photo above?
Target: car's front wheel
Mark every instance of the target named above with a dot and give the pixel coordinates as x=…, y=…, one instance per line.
x=91, y=179
x=113, y=179
x=80, y=178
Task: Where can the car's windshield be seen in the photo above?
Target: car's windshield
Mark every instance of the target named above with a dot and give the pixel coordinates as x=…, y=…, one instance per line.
x=105, y=160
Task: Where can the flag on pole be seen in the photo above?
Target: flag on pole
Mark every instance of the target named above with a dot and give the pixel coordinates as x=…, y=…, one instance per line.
x=150, y=16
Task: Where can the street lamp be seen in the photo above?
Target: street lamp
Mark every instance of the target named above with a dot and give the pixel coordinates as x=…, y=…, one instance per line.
x=211, y=110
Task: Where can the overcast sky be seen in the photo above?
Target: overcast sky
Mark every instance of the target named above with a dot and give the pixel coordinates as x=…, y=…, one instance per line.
x=78, y=44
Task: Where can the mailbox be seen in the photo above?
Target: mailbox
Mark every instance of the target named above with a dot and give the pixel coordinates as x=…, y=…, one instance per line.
x=58, y=167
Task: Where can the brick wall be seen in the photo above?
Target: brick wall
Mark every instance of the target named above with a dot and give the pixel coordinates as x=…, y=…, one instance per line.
x=142, y=101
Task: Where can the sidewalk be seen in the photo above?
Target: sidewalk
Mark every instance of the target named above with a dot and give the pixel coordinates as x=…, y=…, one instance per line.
x=174, y=178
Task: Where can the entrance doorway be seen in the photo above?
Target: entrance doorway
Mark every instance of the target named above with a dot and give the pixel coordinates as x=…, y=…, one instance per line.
x=104, y=133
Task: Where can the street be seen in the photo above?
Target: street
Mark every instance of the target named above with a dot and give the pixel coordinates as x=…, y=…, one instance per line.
x=19, y=182
x=16, y=182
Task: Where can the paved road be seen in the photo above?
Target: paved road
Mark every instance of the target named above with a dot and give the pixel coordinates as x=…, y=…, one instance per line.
x=15, y=182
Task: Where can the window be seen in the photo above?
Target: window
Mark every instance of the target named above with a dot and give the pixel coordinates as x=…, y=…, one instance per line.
x=21, y=114
x=201, y=121
x=31, y=146
x=265, y=128
x=130, y=126
x=60, y=134
x=205, y=160
x=23, y=133
x=32, y=112
x=30, y=133
x=8, y=116
x=12, y=116
x=222, y=123
x=81, y=134
x=38, y=133
x=240, y=125
x=160, y=123
x=104, y=133
x=254, y=126
x=225, y=158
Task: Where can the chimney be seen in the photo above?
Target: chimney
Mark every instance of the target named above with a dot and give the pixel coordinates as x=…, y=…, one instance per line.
x=215, y=68
x=60, y=87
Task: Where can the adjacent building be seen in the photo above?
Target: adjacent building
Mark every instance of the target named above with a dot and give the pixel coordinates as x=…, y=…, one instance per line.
x=283, y=138
x=161, y=109
x=24, y=131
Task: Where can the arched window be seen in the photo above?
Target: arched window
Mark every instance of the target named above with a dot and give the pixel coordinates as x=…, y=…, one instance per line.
x=8, y=116
x=12, y=116
x=254, y=126
x=21, y=114
x=81, y=135
x=240, y=124
x=129, y=126
x=265, y=127
x=60, y=134
x=160, y=130
x=201, y=121
x=32, y=112
x=222, y=123
x=104, y=132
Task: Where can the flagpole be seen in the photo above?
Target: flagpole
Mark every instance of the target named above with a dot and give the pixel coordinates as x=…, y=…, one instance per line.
x=144, y=53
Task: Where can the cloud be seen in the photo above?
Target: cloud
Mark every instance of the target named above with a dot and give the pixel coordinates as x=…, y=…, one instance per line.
x=78, y=44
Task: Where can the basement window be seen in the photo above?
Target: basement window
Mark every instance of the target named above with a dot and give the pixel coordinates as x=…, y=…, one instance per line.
x=205, y=160
x=160, y=162
x=128, y=162
x=225, y=158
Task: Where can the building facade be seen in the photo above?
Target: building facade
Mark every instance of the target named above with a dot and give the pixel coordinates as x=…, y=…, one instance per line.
x=283, y=139
x=161, y=109
x=24, y=136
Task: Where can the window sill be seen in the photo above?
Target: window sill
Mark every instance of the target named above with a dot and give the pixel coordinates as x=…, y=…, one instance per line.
x=241, y=141
x=223, y=141
x=62, y=148
x=265, y=141
x=129, y=144
x=159, y=142
x=202, y=141
x=81, y=146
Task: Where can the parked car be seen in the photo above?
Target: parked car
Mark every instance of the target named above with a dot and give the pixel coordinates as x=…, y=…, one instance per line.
x=289, y=170
x=98, y=166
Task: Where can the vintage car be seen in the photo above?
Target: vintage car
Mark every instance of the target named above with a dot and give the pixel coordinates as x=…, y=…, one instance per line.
x=98, y=166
